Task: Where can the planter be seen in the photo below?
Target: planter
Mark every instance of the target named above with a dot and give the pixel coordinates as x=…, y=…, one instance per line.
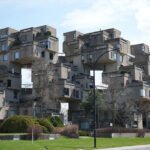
x=28, y=137
x=113, y=135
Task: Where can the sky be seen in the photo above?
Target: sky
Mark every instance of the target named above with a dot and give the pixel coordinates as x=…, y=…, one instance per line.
x=131, y=17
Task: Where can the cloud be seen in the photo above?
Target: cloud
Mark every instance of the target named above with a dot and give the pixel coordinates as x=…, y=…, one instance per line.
x=111, y=13
x=99, y=13
x=142, y=17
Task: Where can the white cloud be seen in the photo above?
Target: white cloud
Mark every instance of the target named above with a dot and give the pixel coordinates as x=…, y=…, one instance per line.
x=100, y=13
x=112, y=13
x=142, y=17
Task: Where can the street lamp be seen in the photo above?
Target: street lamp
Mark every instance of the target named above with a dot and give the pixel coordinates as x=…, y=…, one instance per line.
x=94, y=96
x=34, y=104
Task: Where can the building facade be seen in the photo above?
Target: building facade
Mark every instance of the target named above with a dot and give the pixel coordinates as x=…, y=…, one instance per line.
x=57, y=79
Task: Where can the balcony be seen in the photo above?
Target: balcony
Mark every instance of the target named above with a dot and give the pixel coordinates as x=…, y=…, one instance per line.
x=26, y=94
x=91, y=55
x=50, y=44
x=68, y=91
x=145, y=94
x=139, y=90
x=24, y=54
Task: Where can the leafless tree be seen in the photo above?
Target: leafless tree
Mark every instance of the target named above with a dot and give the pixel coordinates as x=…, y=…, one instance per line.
x=119, y=105
x=44, y=85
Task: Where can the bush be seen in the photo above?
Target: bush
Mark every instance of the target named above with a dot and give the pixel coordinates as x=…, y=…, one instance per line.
x=36, y=130
x=141, y=133
x=16, y=124
x=58, y=130
x=45, y=123
x=71, y=131
x=56, y=121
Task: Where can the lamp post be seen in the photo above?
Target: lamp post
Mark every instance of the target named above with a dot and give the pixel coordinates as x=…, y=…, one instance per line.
x=34, y=104
x=94, y=96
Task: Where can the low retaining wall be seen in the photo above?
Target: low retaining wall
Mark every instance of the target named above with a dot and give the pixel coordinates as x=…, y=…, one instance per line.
x=147, y=135
x=115, y=135
x=25, y=137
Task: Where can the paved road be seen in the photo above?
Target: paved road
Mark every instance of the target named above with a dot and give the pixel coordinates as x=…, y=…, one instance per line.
x=140, y=147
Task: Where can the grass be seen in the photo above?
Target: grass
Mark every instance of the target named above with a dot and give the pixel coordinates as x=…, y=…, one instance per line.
x=71, y=144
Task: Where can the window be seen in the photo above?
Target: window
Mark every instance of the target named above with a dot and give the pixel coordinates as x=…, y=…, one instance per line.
x=140, y=76
x=142, y=92
x=51, y=56
x=3, y=35
x=90, y=57
x=34, y=36
x=4, y=47
x=143, y=48
x=1, y=58
x=81, y=93
x=15, y=94
x=45, y=44
x=112, y=35
x=17, y=55
x=104, y=68
x=8, y=83
x=12, y=70
x=77, y=94
x=43, y=54
x=66, y=91
x=5, y=57
x=68, y=75
x=48, y=44
x=82, y=58
x=73, y=78
x=121, y=58
x=91, y=85
x=114, y=56
x=74, y=36
x=86, y=85
x=74, y=93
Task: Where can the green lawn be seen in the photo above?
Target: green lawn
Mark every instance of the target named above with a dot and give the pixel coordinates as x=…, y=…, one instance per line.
x=71, y=144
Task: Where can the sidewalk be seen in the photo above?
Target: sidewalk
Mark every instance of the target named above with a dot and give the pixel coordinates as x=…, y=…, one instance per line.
x=139, y=147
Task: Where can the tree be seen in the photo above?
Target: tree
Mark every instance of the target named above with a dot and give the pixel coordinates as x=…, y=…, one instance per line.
x=119, y=99
x=44, y=87
x=88, y=104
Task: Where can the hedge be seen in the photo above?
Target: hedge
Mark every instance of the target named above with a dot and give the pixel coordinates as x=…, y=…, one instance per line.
x=56, y=121
x=45, y=123
x=16, y=124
